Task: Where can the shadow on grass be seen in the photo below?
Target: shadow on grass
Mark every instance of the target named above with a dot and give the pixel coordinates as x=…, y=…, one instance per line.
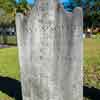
x=12, y=88
x=91, y=93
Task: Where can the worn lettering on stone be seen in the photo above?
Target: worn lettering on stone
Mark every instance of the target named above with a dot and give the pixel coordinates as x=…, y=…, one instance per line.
x=50, y=52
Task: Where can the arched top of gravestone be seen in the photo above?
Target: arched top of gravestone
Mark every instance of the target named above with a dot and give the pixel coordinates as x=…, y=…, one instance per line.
x=49, y=8
x=42, y=6
x=52, y=5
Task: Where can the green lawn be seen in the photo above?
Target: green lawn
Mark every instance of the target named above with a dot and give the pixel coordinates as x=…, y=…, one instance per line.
x=9, y=64
x=92, y=62
x=5, y=97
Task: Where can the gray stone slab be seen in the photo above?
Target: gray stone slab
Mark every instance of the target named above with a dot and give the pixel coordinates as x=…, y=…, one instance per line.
x=50, y=52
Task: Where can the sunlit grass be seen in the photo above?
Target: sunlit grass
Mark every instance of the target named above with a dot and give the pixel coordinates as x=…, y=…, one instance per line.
x=9, y=65
x=5, y=97
x=92, y=62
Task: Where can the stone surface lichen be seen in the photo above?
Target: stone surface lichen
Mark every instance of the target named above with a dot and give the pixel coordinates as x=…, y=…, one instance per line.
x=50, y=52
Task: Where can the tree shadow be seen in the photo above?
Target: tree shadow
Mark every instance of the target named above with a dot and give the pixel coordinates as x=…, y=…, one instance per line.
x=91, y=93
x=11, y=87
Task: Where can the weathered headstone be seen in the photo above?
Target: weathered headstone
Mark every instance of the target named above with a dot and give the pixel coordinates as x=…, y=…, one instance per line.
x=50, y=52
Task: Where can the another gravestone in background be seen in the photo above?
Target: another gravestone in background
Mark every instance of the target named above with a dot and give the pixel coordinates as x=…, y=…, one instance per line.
x=50, y=52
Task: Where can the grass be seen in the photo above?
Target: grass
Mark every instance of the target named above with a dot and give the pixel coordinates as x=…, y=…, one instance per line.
x=5, y=97
x=9, y=65
x=92, y=62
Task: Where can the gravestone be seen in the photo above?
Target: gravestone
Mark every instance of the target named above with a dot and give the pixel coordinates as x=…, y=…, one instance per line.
x=50, y=52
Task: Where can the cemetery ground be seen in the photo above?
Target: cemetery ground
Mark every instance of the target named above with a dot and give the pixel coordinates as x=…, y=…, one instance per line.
x=9, y=65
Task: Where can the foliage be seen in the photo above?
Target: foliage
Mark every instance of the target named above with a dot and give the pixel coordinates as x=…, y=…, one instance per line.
x=8, y=6
x=91, y=11
x=10, y=40
x=22, y=6
x=8, y=12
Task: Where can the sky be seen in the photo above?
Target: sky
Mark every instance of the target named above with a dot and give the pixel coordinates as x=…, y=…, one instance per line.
x=31, y=1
